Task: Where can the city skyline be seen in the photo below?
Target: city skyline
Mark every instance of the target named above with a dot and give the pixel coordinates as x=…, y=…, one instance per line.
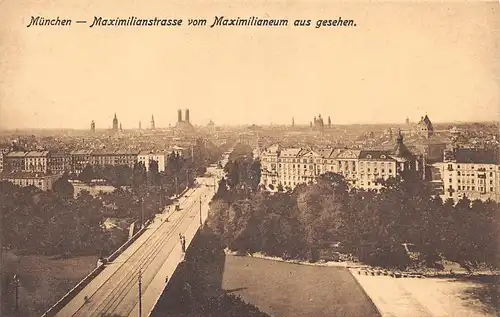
x=386, y=69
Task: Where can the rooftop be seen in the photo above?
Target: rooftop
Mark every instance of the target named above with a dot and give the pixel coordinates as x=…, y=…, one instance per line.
x=478, y=156
x=17, y=175
x=15, y=154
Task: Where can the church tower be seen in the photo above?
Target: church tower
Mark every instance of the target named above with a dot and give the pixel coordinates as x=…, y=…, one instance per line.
x=92, y=126
x=152, y=122
x=115, y=124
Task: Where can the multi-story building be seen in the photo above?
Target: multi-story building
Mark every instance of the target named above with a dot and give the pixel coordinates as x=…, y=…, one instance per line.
x=102, y=158
x=24, y=179
x=145, y=157
x=471, y=173
x=424, y=127
x=113, y=158
x=36, y=161
x=290, y=167
x=15, y=161
x=128, y=158
x=59, y=163
x=1, y=161
x=80, y=159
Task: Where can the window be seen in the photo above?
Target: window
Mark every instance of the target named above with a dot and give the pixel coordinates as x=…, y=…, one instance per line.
x=368, y=156
x=449, y=180
x=491, y=189
x=458, y=187
x=491, y=174
x=382, y=156
x=458, y=173
x=473, y=188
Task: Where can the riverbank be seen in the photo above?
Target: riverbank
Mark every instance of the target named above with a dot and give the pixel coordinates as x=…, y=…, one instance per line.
x=43, y=279
x=416, y=293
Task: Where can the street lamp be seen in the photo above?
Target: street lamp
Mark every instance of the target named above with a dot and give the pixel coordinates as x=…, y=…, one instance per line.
x=201, y=224
x=16, y=284
x=142, y=213
x=140, y=293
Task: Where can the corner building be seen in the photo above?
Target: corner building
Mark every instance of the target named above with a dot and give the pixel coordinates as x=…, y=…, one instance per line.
x=290, y=167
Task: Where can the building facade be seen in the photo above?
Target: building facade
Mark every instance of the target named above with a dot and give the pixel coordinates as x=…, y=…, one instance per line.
x=113, y=158
x=471, y=173
x=36, y=161
x=14, y=161
x=79, y=159
x=59, y=163
x=425, y=128
x=24, y=179
x=289, y=167
x=145, y=157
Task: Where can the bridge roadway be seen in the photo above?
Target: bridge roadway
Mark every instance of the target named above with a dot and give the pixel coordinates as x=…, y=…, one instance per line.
x=156, y=254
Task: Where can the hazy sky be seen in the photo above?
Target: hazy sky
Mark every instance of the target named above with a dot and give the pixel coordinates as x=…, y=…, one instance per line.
x=403, y=59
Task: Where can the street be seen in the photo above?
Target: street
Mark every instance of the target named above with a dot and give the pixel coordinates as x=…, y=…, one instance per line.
x=155, y=255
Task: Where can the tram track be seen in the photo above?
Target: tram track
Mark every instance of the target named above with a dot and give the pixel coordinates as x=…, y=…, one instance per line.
x=146, y=254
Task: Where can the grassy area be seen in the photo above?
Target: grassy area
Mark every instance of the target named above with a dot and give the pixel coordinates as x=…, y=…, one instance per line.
x=481, y=292
x=195, y=288
x=285, y=289
x=44, y=280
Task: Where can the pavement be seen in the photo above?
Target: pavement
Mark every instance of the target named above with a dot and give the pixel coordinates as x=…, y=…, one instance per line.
x=419, y=297
x=155, y=255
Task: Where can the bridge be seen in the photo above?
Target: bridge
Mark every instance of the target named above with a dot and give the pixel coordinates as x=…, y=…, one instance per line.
x=132, y=281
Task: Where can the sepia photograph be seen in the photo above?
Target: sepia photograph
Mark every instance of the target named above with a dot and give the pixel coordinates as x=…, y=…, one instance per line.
x=269, y=158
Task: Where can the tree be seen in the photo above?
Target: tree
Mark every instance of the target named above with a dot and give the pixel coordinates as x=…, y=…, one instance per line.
x=87, y=174
x=63, y=187
x=153, y=172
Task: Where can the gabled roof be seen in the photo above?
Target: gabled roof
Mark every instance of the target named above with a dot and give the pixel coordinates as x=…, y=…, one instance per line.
x=348, y=154
x=37, y=154
x=425, y=120
x=326, y=152
x=15, y=154
x=290, y=152
x=310, y=153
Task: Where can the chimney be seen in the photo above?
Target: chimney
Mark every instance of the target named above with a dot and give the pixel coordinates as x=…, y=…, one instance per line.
x=179, y=115
x=187, y=115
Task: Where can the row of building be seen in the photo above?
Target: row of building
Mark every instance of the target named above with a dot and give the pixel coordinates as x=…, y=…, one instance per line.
x=290, y=167
x=461, y=172
x=45, y=162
